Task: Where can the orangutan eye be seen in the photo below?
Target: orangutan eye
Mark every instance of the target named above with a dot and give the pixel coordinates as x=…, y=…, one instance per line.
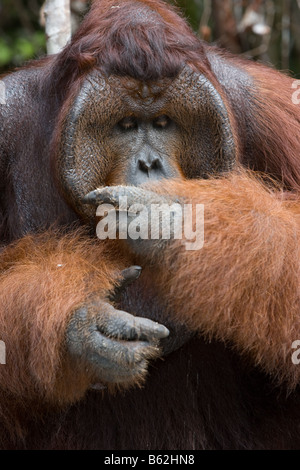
x=161, y=122
x=128, y=123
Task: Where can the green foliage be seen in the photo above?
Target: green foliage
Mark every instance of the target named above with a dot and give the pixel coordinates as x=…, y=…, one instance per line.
x=192, y=10
x=18, y=49
x=6, y=53
x=22, y=38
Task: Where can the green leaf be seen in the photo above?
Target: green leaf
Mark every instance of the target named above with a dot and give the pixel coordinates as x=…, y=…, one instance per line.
x=5, y=53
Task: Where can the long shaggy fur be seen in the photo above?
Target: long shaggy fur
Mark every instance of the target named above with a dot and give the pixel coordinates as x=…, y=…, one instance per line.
x=243, y=286
x=43, y=279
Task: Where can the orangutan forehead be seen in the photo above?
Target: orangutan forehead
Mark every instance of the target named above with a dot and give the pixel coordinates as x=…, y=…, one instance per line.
x=143, y=14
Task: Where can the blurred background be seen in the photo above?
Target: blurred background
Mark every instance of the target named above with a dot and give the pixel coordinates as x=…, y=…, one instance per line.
x=264, y=30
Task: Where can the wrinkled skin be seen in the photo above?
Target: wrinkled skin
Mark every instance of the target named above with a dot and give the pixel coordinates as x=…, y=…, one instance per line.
x=143, y=133
x=114, y=344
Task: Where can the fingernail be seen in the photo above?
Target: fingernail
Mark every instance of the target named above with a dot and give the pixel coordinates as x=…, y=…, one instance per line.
x=137, y=271
x=162, y=331
x=90, y=198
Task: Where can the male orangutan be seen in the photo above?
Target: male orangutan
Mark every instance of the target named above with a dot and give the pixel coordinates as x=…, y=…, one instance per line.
x=195, y=351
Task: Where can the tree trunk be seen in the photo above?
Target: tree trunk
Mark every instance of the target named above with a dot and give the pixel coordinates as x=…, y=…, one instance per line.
x=225, y=25
x=58, y=24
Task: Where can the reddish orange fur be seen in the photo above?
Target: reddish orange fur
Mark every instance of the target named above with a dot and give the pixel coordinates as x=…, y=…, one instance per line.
x=278, y=123
x=243, y=286
x=43, y=279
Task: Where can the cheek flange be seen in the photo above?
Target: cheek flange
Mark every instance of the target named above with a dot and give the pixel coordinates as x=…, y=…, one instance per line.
x=208, y=144
x=83, y=162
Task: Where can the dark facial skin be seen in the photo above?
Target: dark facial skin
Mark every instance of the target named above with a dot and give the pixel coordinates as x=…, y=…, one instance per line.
x=122, y=131
x=147, y=139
